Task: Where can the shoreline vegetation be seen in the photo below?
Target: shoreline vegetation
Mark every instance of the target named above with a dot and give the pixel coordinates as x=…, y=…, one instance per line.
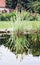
x=24, y=36
x=25, y=32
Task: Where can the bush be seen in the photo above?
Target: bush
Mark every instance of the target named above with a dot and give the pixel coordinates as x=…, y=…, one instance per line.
x=36, y=7
x=26, y=16
x=33, y=17
x=23, y=16
x=8, y=16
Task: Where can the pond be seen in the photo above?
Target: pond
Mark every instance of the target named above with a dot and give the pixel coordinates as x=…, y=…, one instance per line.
x=9, y=58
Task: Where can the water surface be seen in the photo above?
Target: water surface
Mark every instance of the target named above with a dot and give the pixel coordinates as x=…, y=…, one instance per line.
x=9, y=58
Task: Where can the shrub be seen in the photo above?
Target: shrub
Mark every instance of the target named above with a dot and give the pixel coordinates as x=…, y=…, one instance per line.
x=8, y=16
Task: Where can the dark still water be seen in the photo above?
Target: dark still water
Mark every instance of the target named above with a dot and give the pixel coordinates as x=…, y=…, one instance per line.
x=9, y=58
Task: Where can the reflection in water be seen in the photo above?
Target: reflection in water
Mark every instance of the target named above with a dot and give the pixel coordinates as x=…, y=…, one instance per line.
x=20, y=43
x=8, y=58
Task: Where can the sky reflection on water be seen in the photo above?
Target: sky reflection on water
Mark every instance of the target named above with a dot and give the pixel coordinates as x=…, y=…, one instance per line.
x=8, y=58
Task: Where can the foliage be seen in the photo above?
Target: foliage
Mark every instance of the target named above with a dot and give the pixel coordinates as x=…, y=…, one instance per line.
x=23, y=16
x=21, y=44
x=9, y=3
x=29, y=5
x=8, y=16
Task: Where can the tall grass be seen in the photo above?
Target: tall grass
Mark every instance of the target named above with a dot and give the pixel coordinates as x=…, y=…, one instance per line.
x=20, y=42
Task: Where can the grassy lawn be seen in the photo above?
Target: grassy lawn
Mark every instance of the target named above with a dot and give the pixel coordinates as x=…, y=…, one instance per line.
x=29, y=25
x=22, y=25
x=4, y=24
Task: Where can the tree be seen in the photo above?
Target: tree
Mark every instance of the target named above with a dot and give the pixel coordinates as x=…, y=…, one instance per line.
x=29, y=5
x=9, y=3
